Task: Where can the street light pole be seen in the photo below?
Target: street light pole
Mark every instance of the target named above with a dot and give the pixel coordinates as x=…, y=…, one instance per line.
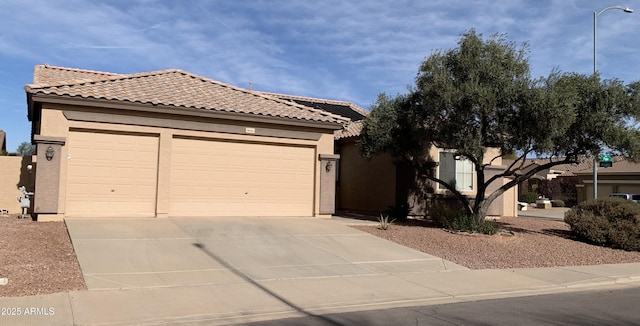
x=595, y=19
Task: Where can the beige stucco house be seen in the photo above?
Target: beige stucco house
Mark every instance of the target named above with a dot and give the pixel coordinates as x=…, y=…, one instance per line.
x=561, y=171
x=374, y=185
x=371, y=186
x=171, y=143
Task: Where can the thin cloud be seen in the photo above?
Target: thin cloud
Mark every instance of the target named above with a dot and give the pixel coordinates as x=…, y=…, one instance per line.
x=101, y=47
x=337, y=49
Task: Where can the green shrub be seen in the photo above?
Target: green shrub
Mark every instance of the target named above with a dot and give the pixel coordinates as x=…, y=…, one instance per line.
x=488, y=227
x=612, y=222
x=529, y=197
x=399, y=213
x=444, y=214
x=557, y=203
x=456, y=219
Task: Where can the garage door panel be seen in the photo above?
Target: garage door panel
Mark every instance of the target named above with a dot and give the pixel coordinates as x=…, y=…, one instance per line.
x=214, y=178
x=629, y=189
x=111, y=174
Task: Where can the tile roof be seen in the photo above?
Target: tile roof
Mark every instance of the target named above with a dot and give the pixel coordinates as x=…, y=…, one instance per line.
x=584, y=166
x=172, y=88
x=620, y=166
x=352, y=130
x=48, y=75
x=346, y=109
x=342, y=108
x=566, y=169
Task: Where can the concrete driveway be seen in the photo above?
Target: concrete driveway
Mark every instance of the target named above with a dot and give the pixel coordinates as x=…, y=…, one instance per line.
x=141, y=253
x=152, y=270
x=554, y=213
x=134, y=253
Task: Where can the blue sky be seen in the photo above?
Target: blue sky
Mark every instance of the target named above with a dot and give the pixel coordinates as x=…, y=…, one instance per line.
x=334, y=49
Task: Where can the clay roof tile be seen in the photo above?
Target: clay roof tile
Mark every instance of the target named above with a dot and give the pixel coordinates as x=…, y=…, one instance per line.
x=172, y=88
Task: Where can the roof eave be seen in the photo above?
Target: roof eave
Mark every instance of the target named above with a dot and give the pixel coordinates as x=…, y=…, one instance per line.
x=184, y=111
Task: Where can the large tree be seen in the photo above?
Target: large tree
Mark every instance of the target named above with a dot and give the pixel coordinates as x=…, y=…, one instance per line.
x=480, y=95
x=25, y=149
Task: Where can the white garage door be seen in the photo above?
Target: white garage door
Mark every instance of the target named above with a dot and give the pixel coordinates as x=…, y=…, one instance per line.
x=111, y=175
x=222, y=178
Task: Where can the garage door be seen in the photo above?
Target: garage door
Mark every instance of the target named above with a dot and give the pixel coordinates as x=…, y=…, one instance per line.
x=220, y=178
x=629, y=188
x=111, y=175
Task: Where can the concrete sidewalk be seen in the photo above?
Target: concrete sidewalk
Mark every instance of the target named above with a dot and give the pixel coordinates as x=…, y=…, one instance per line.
x=222, y=273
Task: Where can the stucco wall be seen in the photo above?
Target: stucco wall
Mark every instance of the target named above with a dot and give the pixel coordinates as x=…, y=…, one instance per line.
x=372, y=186
x=510, y=201
x=365, y=185
x=14, y=173
x=58, y=120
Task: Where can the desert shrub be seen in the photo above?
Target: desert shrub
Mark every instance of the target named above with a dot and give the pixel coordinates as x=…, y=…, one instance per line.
x=557, y=203
x=399, y=213
x=443, y=214
x=611, y=222
x=456, y=219
x=488, y=227
x=528, y=197
x=383, y=222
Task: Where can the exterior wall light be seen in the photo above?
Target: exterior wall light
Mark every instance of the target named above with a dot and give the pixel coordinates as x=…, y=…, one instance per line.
x=49, y=153
x=328, y=166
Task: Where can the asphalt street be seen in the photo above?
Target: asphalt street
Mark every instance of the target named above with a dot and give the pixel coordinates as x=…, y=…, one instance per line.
x=602, y=307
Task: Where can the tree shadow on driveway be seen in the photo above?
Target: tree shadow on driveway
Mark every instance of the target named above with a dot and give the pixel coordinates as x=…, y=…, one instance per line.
x=239, y=273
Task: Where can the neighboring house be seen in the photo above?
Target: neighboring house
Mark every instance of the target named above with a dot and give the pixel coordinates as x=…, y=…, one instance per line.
x=622, y=177
x=562, y=170
x=171, y=143
x=371, y=186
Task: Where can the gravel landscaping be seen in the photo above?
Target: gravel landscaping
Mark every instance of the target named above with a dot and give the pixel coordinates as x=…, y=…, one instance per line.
x=37, y=258
x=524, y=243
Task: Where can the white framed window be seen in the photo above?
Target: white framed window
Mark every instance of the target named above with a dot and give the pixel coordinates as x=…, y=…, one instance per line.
x=456, y=172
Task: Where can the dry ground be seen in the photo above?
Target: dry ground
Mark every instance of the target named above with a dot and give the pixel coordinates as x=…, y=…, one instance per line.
x=529, y=242
x=37, y=258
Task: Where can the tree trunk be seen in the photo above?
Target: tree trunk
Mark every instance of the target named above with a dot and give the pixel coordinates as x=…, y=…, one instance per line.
x=481, y=212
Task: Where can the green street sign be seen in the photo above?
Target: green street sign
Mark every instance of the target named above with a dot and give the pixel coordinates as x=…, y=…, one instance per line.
x=605, y=161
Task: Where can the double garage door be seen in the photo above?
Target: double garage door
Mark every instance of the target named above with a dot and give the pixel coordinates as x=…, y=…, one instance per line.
x=117, y=175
